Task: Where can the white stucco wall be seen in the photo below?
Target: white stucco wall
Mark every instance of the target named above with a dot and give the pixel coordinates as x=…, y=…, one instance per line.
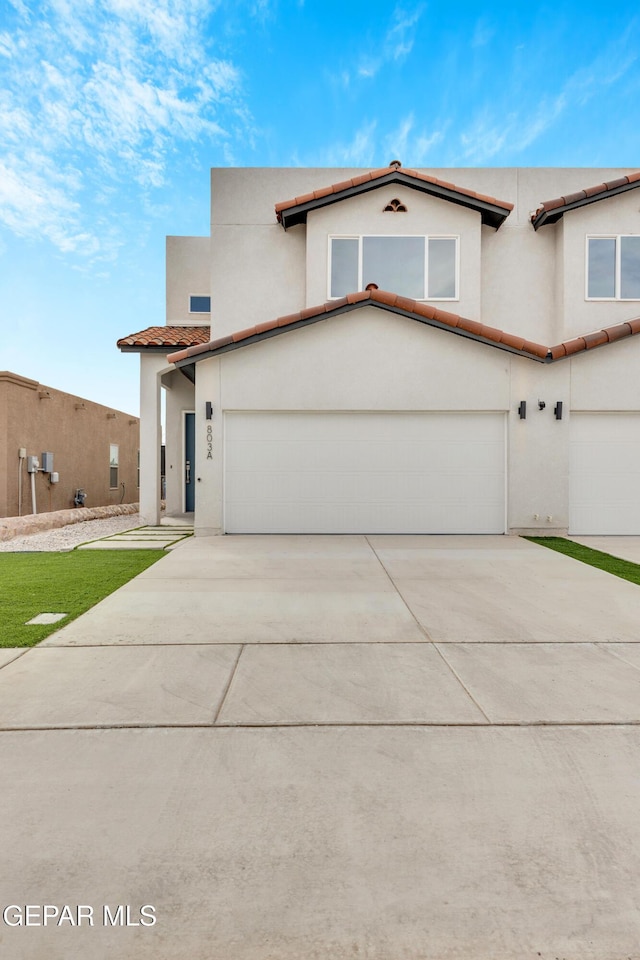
x=525, y=282
x=607, y=378
x=152, y=367
x=616, y=215
x=538, y=448
x=180, y=399
x=428, y=216
x=259, y=271
x=188, y=269
x=257, y=274
x=209, y=450
x=367, y=359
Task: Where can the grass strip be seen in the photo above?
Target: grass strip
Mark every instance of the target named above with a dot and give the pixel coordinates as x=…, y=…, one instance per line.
x=71, y=583
x=624, y=569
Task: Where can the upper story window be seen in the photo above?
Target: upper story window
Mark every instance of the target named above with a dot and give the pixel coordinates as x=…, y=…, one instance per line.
x=422, y=268
x=199, y=304
x=613, y=268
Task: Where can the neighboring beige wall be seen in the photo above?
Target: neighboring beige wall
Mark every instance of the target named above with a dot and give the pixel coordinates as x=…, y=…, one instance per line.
x=188, y=267
x=78, y=432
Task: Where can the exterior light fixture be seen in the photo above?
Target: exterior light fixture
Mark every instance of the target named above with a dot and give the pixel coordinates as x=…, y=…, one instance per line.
x=208, y=410
x=522, y=410
x=557, y=410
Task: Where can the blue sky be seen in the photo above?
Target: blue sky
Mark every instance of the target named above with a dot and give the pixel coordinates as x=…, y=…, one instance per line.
x=112, y=112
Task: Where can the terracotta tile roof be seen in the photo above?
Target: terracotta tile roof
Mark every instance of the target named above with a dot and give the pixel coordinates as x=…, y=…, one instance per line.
x=161, y=338
x=493, y=211
x=551, y=210
x=416, y=310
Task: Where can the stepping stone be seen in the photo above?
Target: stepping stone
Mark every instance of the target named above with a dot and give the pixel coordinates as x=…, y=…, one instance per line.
x=46, y=618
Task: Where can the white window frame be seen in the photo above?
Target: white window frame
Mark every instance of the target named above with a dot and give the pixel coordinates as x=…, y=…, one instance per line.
x=618, y=270
x=114, y=466
x=200, y=312
x=424, y=236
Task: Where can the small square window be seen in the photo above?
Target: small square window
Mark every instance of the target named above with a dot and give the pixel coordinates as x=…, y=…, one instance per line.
x=199, y=304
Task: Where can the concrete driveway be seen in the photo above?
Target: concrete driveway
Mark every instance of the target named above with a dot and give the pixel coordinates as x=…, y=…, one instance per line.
x=331, y=747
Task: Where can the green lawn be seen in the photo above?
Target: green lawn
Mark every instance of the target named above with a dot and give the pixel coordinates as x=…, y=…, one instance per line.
x=595, y=558
x=33, y=583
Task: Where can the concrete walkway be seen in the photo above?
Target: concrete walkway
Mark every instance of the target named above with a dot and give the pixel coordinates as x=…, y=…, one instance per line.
x=298, y=748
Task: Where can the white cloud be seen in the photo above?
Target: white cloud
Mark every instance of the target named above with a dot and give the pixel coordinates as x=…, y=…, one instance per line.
x=400, y=35
x=397, y=44
x=358, y=152
x=482, y=34
x=501, y=128
x=107, y=90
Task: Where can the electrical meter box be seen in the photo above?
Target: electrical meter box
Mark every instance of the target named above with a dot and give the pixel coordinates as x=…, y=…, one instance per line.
x=32, y=465
x=46, y=462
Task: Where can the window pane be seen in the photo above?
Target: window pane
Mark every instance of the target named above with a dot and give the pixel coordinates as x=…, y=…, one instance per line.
x=200, y=304
x=442, y=268
x=113, y=455
x=602, y=267
x=344, y=266
x=113, y=477
x=395, y=264
x=630, y=268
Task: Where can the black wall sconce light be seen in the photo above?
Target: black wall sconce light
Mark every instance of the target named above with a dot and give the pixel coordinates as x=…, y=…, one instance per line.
x=557, y=410
x=208, y=410
x=522, y=410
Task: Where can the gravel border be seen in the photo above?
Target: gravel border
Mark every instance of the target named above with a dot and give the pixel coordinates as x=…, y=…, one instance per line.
x=72, y=535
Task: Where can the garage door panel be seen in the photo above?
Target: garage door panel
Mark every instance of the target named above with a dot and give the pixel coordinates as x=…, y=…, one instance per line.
x=605, y=474
x=364, y=473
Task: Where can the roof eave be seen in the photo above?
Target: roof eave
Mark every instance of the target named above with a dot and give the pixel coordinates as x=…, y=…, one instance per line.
x=195, y=357
x=546, y=217
x=147, y=348
x=492, y=214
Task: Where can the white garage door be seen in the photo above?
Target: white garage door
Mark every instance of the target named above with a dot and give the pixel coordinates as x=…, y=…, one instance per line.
x=364, y=473
x=605, y=473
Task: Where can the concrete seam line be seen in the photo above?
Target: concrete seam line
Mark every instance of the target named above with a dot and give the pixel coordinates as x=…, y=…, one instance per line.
x=333, y=724
x=462, y=684
x=391, y=581
x=228, y=686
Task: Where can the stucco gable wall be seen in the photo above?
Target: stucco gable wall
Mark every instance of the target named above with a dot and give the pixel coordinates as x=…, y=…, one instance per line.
x=614, y=215
x=426, y=215
x=366, y=360
x=607, y=378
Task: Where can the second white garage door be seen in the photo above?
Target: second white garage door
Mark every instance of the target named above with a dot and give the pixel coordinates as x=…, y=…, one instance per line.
x=364, y=472
x=604, y=475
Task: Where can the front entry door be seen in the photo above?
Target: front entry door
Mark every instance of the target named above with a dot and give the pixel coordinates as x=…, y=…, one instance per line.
x=189, y=461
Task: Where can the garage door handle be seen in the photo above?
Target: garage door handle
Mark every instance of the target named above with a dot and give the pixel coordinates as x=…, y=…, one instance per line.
x=188, y=471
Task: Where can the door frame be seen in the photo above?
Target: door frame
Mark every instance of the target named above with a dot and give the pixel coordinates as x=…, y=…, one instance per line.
x=183, y=482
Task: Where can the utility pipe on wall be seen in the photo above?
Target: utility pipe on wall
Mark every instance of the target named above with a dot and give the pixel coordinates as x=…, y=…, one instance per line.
x=33, y=493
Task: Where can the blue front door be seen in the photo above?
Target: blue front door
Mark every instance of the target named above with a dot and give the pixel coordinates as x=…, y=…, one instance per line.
x=189, y=461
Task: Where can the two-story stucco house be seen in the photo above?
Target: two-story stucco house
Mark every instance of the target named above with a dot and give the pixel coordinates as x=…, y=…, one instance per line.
x=401, y=351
